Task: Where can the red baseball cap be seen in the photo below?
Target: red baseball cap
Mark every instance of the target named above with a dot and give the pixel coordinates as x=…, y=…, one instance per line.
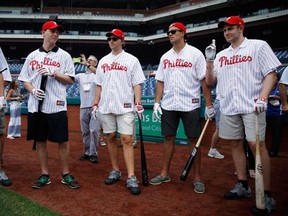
x=232, y=20
x=116, y=32
x=52, y=25
x=179, y=25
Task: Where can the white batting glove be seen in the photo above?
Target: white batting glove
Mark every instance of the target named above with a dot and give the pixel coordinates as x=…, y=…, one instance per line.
x=38, y=94
x=210, y=51
x=209, y=112
x=157, y=109
x=45, y=72
x=2, y=103
x=95, y=111
x=260, y=105
x=139, y=109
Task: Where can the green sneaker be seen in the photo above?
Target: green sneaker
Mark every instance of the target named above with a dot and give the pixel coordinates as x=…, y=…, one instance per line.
x=42, y=181
x=69, y=180
x=159, y=179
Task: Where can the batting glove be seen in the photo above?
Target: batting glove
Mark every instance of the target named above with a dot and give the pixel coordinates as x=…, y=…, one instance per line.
x=46, y=72
x=95, y=111
x=2, y=103
x=139, y=109
x=210, y=51
x=260, y=105
x=209, y=112
x=157, y=109
x=38, y=94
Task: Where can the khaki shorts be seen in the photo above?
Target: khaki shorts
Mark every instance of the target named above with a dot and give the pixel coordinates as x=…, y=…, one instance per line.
x=2, y=122
x=124, y=123
x=233, y=127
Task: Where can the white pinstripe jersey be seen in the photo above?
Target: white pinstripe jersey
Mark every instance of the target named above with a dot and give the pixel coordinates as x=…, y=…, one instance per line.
x=86, y=80
x=182, y=74
x=284, y=77
x=240, y=73
x=57, y=60
x=118, y=75
x=3, y=64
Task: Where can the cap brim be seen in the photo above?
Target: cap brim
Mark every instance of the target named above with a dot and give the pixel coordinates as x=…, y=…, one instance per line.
x=221, y=24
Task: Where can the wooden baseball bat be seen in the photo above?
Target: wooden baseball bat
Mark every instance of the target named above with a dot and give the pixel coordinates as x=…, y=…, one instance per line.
x=192, y=157
x=259, y=184
x=144, y=170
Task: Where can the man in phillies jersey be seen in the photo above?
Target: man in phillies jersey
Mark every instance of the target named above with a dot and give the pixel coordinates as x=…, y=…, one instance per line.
x=119, y=77
x=245, y=73
x=180, y=74
x=47, y=107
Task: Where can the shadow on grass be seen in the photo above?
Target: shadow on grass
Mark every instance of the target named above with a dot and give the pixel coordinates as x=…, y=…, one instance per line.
x=14, y=204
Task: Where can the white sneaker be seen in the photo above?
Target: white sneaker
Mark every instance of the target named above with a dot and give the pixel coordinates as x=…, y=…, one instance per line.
x=214, y=153
x=102, y=143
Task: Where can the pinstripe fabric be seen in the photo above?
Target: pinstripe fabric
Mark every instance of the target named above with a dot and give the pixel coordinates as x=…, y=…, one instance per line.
x=58, y=60
x=87, y=97
x=118, y=75
x=182, y=74
x=240, y=73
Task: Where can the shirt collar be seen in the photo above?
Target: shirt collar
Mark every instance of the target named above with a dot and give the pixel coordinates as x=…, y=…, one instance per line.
x=55, y=49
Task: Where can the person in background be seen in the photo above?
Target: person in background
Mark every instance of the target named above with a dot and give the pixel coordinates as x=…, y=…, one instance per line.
x=89, y=126
x=45, y=74
x=180, y=74
x=213, y=152
x=245, y=75
x=13, y=95
x=119, y=77
x=4, y=180
x=275, y=119
x=283, y=83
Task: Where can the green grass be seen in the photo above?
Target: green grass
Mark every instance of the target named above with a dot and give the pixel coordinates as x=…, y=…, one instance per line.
x=13, y=204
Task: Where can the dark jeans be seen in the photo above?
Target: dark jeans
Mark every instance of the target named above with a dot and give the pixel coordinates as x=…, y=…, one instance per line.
x=275, y=123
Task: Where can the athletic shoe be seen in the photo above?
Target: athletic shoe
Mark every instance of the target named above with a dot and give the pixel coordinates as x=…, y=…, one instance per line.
x=102, y=143
x=270, y=203
x=132, y=185
x=238, y=192
x=113, y=177
x=42, y=181
x=4, y=180
x=10, y=137
x=199, y=186
x=214, y=153
x=94, y=158
x=69, y=180
x=84, y=157
x=159, y=179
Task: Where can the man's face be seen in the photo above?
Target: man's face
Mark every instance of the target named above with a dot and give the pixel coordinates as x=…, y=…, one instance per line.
x=115, y=43
x=175, y=34
x=51, y=35
x=232, y=32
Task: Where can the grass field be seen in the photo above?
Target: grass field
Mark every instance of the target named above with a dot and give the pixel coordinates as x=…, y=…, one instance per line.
x=13, y=204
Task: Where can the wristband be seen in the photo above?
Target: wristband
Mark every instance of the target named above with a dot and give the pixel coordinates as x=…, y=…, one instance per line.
x=95, y=104
x=262, y=99
x=139, y=103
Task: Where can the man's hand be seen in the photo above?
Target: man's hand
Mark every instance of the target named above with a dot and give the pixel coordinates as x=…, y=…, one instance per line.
x=210, y=51
x=2, y=103
x=260, y=105
x=46, y=72
x=157, y=109
x=209, y=112
x=139, y=109
x=38, y=94
x=95, y=111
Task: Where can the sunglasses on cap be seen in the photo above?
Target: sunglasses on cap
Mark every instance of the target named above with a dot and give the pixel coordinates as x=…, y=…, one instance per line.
x=173, y=32
x=112, y=38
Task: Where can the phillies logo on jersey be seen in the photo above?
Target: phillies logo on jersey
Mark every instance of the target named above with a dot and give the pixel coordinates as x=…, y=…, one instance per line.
x=235, y=59
x=114, y=66
x=178, y=63
x=46, y=62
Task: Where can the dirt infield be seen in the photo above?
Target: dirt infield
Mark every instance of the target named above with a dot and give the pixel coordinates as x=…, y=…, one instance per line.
x=174, y=198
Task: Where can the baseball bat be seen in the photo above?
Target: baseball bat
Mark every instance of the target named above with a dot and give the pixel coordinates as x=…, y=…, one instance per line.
x=144, y=170
x=259, y=184
x=192, y=157
x=40, y=102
